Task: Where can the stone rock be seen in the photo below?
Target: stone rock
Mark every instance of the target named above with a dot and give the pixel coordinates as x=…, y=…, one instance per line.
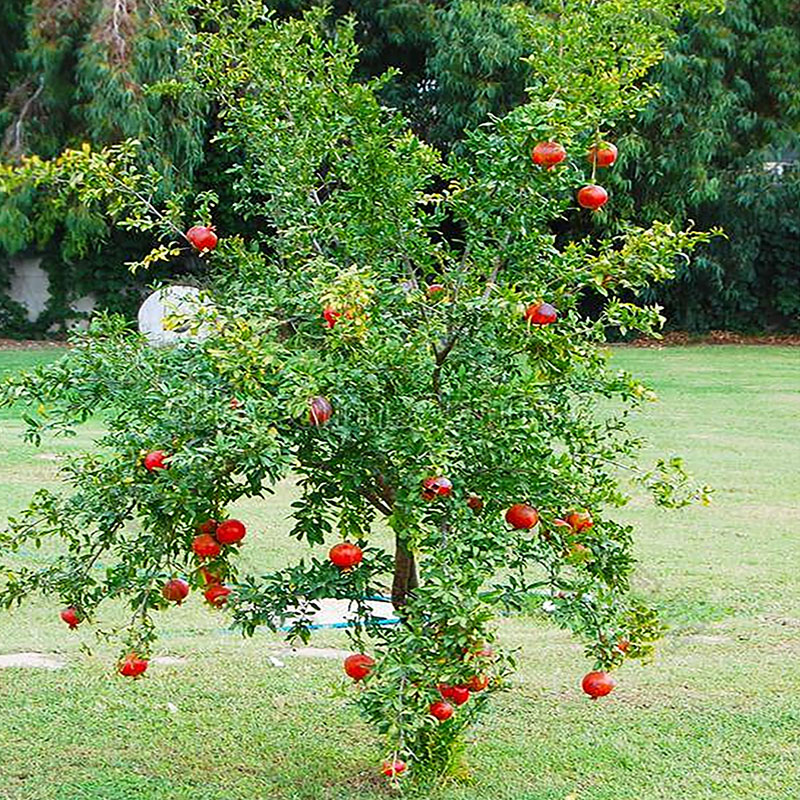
x=171, y=301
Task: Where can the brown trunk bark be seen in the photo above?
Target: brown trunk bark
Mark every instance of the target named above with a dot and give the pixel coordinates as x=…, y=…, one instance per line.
x=405, y=574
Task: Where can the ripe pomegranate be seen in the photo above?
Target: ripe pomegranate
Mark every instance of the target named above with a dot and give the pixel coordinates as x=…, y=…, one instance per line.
x=132, y=666
x=202, y=238
x=209, y=527
x=541, y=314
x=478, y=683
x=522, y=516
x=346, y=555
x=623, y=645
x=71, y=617
x=436, y=486
x=331, y=316
x=474, y=502
x=435, y=290
x=206, y=546
x=155, y=460
x=592, y=197
x=598, y=684
x=176, y=590
x=604, y=154
x=445, y=690
x=358, y=666
x=548, y=154
x=460, y=695
x=230, y=531
x=392, y=768
x=217, y=595
x=579, y=520
x=319, y=410
x=441, y=710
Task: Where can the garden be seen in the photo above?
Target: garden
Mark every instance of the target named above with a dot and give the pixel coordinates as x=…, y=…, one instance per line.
x=390, y=502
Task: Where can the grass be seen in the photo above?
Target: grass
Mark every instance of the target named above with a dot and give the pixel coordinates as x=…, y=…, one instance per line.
x=716, y=716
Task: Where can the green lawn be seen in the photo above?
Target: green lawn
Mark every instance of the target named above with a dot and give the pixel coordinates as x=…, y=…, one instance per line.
x=716, y=716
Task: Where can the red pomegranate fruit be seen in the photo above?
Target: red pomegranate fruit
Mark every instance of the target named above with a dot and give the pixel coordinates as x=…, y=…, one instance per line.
x=541, y=314
x=346, y=555
x=358, y=666
x=175, y=590
x=216, y=595
x=331, y=316
x=155, y=460
x=548, y=154
x=522, y=516
x=132, y=666
x=393, y=768
x=598, y=684
x=319, y=410
x=436, y=486
x=209, y=527
x=475, y=503
x=442, y=710
x=604, y=154
x=460, y=695
x=579, y=520
x=592, y=197
x=202, y=238
x=209, y=578
x=71, y=617
x=478, y=683
x=230, y=531
x=206, y=546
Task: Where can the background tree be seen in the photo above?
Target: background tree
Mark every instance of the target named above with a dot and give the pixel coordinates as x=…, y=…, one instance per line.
x=82, y=74
x=720, y=145
x=459, y=63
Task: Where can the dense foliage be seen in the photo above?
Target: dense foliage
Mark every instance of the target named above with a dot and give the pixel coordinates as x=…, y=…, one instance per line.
x=727, y=106
x=720, y=145
x=387, y=334
x=82, y=74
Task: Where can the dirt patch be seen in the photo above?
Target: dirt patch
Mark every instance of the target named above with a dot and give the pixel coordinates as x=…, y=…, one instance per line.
x=168, y=661
x=704, y=638
x=314, y=652
x=786, y=622
x=683, y=339
x=31, y=661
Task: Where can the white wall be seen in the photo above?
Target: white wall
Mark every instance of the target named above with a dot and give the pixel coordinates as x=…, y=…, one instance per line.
x=30, y=287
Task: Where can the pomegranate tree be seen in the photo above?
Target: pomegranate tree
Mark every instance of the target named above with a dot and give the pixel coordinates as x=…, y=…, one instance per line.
x=468, y=419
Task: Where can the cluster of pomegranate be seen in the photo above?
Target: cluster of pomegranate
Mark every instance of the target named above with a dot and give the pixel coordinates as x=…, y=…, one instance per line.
x=520, y=516
x=211, y=538
x=359, y=665
x=602, y=154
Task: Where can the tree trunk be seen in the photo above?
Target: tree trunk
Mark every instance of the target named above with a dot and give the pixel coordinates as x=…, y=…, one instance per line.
x=405, y=574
